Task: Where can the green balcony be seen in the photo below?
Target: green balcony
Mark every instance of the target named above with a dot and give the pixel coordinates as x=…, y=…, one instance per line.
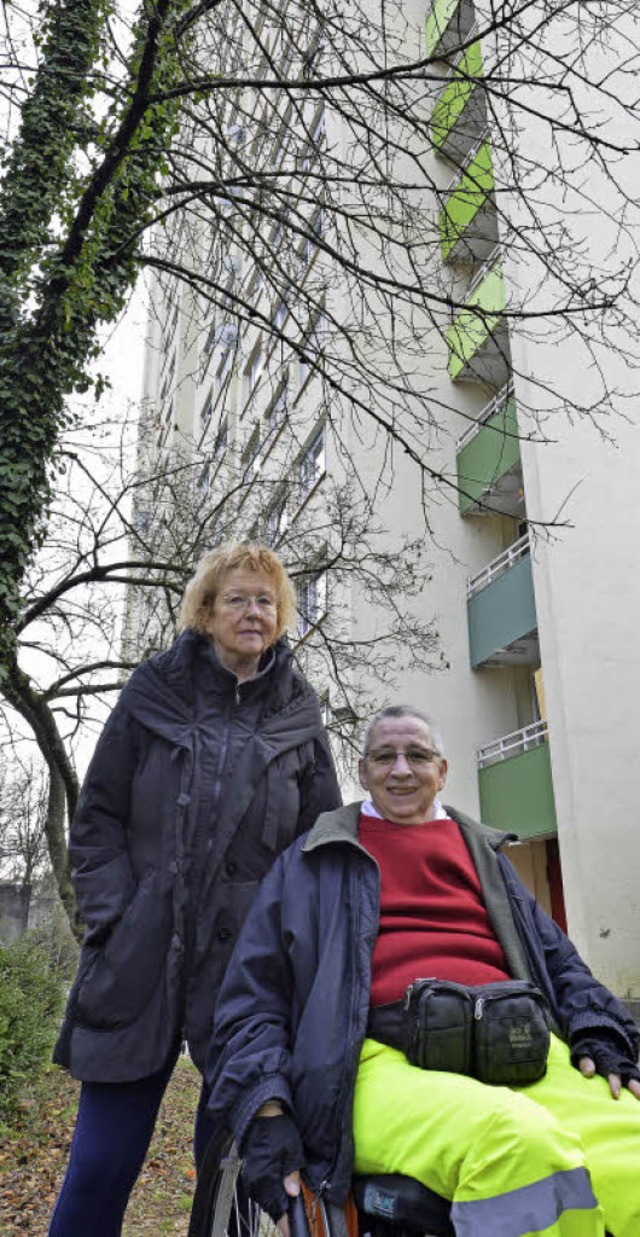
x=516, y=787
x=501, y=610
x=467, y=222
x=449, y=23
x=478, y=336
x=488, y=461
x=459, y=114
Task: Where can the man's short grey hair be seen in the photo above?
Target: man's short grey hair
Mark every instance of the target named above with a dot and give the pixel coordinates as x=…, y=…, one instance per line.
x=403, y=710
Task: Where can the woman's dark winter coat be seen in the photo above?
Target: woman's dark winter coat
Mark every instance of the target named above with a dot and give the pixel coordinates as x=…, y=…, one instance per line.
x=293, y=1008
x=197, y=783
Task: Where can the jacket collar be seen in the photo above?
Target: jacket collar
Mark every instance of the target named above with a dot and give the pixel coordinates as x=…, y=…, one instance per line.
x=159, y=696
x=207, y=653
x=341, y=825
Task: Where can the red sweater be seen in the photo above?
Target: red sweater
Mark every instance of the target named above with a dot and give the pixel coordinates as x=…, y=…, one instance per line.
x=432, y=917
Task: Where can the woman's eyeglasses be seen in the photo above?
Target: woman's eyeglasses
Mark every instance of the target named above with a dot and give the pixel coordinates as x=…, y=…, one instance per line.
x=240, y=602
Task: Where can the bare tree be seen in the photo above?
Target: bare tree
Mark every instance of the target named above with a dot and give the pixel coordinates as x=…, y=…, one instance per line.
x=123, y=540
x=202, y=119
x=23, y=802
x=286, y=170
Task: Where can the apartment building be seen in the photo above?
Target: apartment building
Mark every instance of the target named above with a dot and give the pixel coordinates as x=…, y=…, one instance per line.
x=537, y=689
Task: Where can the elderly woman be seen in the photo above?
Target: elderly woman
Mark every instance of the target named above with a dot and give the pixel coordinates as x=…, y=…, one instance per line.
x=212, y=761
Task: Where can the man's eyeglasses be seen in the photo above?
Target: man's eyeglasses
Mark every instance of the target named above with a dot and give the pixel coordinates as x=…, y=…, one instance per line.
x=240, y=602
x=417, y=757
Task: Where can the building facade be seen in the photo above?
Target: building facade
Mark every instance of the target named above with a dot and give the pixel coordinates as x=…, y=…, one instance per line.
x=530, y=535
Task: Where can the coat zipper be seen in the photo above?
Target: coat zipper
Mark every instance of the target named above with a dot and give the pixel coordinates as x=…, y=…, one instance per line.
x=222, y=758
x=326, y=1182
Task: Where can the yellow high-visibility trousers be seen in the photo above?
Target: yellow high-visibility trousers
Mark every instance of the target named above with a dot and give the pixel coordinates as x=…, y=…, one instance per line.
x=558, y=1158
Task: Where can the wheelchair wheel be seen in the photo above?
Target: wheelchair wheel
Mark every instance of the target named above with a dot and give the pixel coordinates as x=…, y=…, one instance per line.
x=221, y=1207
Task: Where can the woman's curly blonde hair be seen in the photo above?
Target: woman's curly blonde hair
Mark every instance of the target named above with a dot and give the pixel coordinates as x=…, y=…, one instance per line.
x=205, y=584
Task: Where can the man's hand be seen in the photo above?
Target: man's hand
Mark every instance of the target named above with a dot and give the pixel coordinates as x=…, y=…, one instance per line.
x=603, y=1054
x=272, y=1154
x=587, y=1066
x=292, y=1188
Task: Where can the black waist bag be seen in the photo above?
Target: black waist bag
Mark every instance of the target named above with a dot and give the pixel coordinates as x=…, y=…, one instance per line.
x=498, y=1033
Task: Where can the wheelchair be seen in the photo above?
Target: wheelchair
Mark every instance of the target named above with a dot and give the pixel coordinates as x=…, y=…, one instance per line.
x=388, y=1205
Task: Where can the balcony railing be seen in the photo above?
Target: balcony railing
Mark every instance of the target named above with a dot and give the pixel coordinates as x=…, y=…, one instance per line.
x=488, y=462
x=478, y=336
x=473, y=153
x=452, y=102
x=515, y=782
x=448, y=24
x=498, y=565
x=513, y=744
x=492, y=260
x=467, y=220
x=456, y=66
x=495, y=405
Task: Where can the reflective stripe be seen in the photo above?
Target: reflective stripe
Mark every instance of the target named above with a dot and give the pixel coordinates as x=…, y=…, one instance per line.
x=530, y=1209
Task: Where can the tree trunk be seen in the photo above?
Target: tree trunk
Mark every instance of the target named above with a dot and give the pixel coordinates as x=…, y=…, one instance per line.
x=63, y=782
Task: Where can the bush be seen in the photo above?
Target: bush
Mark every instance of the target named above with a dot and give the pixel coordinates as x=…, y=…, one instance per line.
x=31, y=997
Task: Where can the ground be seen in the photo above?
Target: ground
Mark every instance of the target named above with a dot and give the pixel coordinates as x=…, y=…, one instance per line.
x=33, y=1154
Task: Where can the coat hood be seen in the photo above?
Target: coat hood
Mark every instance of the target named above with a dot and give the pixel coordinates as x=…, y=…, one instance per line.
x=158, y=695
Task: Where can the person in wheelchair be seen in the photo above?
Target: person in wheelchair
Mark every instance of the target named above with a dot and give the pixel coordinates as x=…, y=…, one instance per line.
x=331, y=1054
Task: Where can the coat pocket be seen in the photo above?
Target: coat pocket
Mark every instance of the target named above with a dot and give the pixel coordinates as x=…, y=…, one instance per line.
x=130, y=965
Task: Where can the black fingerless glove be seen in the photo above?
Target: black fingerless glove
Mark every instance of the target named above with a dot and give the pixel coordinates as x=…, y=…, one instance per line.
x=608, y=1053
x=271, y=1148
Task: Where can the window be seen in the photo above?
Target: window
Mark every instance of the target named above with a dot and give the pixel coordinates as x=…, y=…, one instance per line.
x=168, y=378
x=207, y=350
x=256, y=286
x=312, y=600
x=280, y=315
x=277, y=235
x=312, y=57
x=227, y=336
x=205, y=413
x=204, y=481
x=286, y=62
x=311, y=465
x=319, y=130
x=232, y=266
x=226, y=201
x=142, y=521
x=277, y=410
x=168, y=410
x=224, y=368
x=172, y=312
x=312, y=348
x=222, y=338
x=310, y=243
x=253, y=371
x=225, y=365
x=282, y=140
x=220, y=442
x=237, y=134
x=307, y=156
x=276, y=521
x=251, y=455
